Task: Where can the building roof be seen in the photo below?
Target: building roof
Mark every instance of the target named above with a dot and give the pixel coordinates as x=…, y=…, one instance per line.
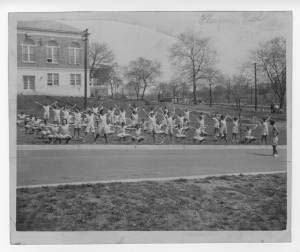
x=47, y=25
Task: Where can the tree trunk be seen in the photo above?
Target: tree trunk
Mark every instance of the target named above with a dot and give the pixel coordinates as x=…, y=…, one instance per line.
x=144, y=89
x=112, y=91
x=210, y=96
x=228, y=93
x=194, y=89
x=281, y=101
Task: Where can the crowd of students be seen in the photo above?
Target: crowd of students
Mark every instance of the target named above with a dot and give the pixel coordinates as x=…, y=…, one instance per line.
x=135, y=122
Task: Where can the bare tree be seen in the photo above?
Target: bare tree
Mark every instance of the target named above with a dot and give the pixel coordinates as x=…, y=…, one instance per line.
x=272, y=55
x=115, y=79
x=162, y=89
x=141, y=73
x=134, y=84
x=212, y=76
x=193, y=55
x=174, y=87
x=99, y=54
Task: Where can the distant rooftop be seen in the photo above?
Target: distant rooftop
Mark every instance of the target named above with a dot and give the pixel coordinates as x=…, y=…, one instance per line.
x=46, y=25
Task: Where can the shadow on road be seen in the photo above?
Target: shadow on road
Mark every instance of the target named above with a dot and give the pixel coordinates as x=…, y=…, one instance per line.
x=261, y=154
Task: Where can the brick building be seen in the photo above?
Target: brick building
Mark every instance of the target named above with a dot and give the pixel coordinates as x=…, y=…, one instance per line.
x=50, y=59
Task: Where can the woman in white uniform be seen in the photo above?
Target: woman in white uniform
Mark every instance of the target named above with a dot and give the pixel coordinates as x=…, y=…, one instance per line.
x=235, y=129
x=201, y=121
x=248, y=136
x=223, y=127
x=77, y=122
x=180, y=134
x=197, y=136
x=138, y=137
x=122, y=135
x=264, y=130
x=64, y=133
x=57, y=112
x=90, y=122
x=46, y=109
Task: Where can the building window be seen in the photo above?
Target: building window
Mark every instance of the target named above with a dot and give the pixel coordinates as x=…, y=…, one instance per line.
x=74, y=54
x=52, y=79
x=28, y=47
x=28, y=82
x=75, y=79
x=52, y=52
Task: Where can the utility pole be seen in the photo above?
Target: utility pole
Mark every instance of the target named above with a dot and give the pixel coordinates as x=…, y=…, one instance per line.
x=229, y=91
x=251, y=94
x=255, y=87
x=85, y=39
x=210, y=93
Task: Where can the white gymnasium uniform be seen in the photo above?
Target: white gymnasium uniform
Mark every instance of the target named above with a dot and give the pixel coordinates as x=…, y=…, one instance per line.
x=181, y=121
x=90, y=124
x=108, y=129
x=135, y=119
x=216, y=123
x=158, y=129
x=45, y=130
x=46, y=111
x=54, y=131
x=103, y=127
x=111, y=116
x=223, y=129
x=66, y=114
x=235, y=127
x=152, y=125
x=123, y=133
x=198, y=136
x=56, y=115
x=202, y=125
x=21, y=119
x=95, y=110
x=138, y=135
x=248, y=135
x=187, y=115
x=77, y=120
x=265, y=129
x=180, y=133
x=122, y=117
x=170, y=126
x=65, y=131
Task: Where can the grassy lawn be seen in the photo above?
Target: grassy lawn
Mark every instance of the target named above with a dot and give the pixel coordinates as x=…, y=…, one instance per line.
x=252, y=202
x=27, y=105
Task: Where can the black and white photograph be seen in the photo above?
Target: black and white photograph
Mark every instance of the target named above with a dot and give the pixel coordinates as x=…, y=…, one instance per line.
x=151, y=121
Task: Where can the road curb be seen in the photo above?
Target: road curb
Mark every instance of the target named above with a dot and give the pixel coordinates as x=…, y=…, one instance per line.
x=146, y=147
x=145, y=179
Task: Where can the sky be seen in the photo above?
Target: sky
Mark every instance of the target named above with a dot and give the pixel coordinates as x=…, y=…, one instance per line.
x=150, y=34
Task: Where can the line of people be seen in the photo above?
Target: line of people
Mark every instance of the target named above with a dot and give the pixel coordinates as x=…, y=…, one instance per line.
x=136, y=121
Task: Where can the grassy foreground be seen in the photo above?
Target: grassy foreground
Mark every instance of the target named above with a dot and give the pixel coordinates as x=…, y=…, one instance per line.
x=251, y=202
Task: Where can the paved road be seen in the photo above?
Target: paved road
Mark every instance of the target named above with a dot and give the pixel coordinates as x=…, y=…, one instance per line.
x=62, y=166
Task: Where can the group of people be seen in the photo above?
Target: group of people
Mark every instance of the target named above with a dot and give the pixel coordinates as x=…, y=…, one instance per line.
x=135, y=122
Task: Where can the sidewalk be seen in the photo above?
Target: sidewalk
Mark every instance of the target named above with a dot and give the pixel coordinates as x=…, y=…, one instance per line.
x=145, y=147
